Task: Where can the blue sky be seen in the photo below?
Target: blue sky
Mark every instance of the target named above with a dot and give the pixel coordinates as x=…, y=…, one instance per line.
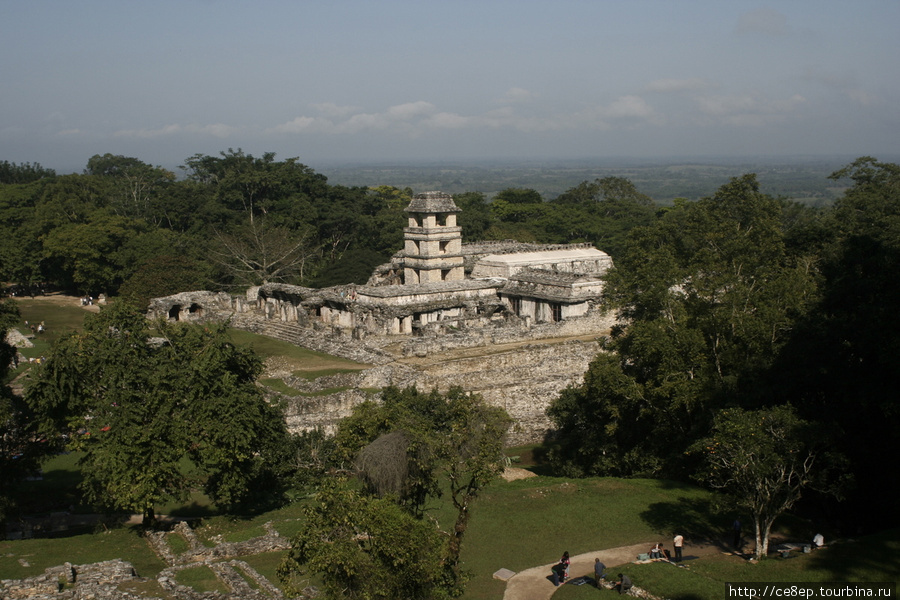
x=389, y=80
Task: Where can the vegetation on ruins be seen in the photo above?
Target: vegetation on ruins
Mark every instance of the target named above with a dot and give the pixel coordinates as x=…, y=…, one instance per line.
x=139, y=402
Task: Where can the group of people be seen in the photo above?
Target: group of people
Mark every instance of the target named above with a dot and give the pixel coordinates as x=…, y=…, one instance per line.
x=561, y=569
x=659, y=552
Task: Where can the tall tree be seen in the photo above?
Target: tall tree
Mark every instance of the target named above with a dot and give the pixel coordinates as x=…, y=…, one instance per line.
x=364, y=548
x=261, y=253
x=764, y=460
x=135, y=185
x=840, y=366
x=710, y=295
x=453, y=437
x=138, y=402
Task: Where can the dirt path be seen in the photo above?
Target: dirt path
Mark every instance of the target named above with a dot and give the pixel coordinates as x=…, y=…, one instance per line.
x=534, y=583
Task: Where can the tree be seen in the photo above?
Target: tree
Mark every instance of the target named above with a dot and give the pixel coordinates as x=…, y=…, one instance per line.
x=260, y=253
x=365, y=548
x=764, y=460
x=602, y=212
x=413, y=441
x=24, y=172
x=840, y=365
x=710, y=294
x=84, y=257
x=163, y=275
x=138, y=402
x=136, y=185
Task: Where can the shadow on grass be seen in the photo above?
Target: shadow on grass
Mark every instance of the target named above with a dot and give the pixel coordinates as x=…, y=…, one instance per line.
x=867, y=559
x=698, y=520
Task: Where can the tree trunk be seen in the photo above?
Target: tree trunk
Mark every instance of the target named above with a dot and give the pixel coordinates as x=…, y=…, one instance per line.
x=149, y=521
x=763, y=527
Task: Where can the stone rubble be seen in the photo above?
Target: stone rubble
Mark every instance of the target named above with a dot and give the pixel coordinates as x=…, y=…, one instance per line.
x=102, y=581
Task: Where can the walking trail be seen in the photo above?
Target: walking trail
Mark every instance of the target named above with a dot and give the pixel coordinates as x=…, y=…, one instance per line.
x=534, y=584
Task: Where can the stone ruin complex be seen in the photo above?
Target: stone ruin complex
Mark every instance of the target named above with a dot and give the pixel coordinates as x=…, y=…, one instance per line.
x=112, y=579
x=512, y=321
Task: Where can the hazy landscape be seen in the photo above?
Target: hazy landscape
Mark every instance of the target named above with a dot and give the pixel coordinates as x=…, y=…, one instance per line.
x=802, y=179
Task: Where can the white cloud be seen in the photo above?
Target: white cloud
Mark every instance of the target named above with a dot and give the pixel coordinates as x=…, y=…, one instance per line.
x=515, y=95
x=330, y=109
x=668, y=86
x=218, y=130
x=748, y=110
x=765, y=21
x=419, y=117
x=842, y=82
x=629, y=107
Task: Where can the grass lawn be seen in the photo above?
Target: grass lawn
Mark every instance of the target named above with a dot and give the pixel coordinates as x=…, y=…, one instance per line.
x=59, y=319
x=529, y=522
x=303, y=362
x=519, y=525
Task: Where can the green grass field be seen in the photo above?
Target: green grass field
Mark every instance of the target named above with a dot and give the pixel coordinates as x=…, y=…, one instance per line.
x=518, y=525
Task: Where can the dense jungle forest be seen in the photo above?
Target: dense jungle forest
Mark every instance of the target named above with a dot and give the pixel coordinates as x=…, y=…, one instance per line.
x=739, y=301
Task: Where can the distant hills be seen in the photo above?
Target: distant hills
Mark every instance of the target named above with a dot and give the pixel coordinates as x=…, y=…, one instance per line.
x=802, y=179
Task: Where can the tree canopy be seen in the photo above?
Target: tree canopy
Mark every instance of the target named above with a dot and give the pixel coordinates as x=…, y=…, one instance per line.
x=765, y=460
x=139, y=401
x=407, y=449
x=710, y=295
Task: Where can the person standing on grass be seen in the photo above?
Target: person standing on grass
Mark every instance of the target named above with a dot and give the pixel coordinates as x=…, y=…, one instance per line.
x=599, y=571
x=736, y=529
x=678, y=542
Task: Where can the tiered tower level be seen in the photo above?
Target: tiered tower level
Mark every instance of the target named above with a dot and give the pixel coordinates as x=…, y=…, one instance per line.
x=433, y=241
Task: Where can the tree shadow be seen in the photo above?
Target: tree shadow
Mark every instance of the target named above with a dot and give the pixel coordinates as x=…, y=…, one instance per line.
x=700, y=521
x=858, y=560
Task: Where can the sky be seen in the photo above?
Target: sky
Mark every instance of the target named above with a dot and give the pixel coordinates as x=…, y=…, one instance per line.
x=451, y=80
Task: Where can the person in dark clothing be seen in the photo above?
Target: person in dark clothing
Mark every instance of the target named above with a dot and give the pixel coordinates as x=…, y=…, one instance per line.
x=736, y=528
x=624, y=584
x=599, y=571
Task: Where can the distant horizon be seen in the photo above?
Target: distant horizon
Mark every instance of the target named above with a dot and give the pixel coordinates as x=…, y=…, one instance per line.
x=499, y=161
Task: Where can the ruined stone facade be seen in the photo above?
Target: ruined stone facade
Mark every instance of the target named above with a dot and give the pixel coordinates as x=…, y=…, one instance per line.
x=435, y=297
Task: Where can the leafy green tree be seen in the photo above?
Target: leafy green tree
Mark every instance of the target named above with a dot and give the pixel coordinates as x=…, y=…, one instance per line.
x=364, y=547
x=164, y=275
x=256, y=185
x=135, y=185
x=603, y=212
x=23, y=172
x=138, y=402
x=84, y=257
x=475, y=218
x=764, y=460
x=710, y=296
x=20, y=246
x=840, y=365
x=453, y=437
